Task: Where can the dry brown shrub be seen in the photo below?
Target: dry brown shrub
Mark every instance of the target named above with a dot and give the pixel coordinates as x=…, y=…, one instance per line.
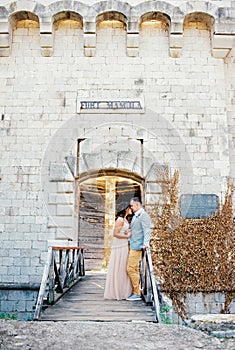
x=192, y=255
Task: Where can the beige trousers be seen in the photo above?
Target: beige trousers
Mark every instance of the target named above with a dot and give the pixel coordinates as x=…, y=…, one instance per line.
x=133, y=270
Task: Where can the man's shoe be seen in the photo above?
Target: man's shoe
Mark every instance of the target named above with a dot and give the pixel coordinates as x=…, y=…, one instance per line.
x=133, y=297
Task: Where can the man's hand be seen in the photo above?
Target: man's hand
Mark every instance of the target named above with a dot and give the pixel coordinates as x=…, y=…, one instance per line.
x=145, y=247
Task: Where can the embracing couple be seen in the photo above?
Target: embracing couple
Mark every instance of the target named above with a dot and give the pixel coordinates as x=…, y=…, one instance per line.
x=123, y=277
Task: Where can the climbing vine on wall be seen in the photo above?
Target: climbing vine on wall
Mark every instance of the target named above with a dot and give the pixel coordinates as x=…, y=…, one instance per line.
x=192, y=255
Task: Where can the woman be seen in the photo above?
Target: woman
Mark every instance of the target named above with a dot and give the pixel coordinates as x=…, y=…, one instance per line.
x=118, y=285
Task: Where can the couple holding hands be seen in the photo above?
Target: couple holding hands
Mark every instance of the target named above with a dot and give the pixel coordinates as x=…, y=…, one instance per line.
x=123, y=278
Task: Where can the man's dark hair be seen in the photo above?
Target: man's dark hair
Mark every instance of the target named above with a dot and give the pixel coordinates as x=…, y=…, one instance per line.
x=136, y=199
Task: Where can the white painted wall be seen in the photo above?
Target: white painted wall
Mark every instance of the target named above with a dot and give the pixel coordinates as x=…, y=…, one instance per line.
x=185, y=125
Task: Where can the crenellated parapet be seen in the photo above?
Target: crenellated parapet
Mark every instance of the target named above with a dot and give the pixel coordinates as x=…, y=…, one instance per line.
x=171, y=16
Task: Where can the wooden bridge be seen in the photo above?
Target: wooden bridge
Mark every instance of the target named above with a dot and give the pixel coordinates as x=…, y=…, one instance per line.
x=68, y=294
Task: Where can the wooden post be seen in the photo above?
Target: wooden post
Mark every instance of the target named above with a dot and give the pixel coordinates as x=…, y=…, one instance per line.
x=153, y=285
x=77, y=190
x=51, y=295
x=43, y=285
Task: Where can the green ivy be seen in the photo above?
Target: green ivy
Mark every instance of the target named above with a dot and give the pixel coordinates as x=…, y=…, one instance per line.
x=8, y=316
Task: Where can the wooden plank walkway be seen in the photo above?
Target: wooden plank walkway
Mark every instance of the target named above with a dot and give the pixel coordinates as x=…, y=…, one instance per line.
x=85, y=302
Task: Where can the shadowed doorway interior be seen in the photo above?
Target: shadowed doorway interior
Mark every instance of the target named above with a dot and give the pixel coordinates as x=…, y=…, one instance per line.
x=100, y=197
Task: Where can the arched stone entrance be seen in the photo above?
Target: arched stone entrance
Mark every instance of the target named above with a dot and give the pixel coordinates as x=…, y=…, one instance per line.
x=101, y=195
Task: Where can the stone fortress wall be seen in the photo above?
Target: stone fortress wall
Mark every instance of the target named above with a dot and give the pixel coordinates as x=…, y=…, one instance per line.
x=176, y=58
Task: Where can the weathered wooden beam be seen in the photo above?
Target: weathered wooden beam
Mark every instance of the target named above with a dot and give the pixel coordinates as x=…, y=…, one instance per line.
x=43, y=285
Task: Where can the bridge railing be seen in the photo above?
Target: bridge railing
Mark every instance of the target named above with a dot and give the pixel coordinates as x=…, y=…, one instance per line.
x=149, y=287
x=63, y=269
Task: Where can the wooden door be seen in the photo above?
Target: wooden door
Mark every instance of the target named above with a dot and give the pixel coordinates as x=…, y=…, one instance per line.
x=97, y=215
x=125, y=190
x=91, y=222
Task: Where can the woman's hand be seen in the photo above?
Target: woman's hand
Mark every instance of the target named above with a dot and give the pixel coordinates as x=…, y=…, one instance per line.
x=127, y=233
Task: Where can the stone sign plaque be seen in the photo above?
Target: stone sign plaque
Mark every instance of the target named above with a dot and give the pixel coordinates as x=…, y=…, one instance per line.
x=110, y=106
x=196, y=206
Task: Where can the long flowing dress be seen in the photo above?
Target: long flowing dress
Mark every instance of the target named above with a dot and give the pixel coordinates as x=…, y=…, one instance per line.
x=118, y=284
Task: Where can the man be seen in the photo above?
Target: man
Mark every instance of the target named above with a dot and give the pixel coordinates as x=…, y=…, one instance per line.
x=140, y=237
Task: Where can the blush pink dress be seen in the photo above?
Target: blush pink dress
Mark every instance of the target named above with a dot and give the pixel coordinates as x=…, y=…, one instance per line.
x=118, y=284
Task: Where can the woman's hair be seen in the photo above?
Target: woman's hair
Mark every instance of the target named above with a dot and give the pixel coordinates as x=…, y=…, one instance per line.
x=121, y=209
x=121, y=213
x=129, y=217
